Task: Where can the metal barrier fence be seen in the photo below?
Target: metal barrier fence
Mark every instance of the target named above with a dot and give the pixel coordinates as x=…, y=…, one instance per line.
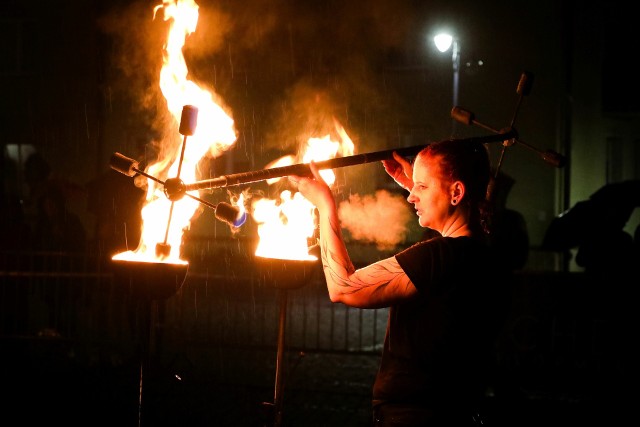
x=556, y=318
x=78, y=297
x=69, y=319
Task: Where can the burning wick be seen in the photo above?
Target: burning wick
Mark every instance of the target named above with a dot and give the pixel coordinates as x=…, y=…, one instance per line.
x=230, y=214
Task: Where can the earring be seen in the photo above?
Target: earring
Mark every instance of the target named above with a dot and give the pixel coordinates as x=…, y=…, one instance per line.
x=454, y=202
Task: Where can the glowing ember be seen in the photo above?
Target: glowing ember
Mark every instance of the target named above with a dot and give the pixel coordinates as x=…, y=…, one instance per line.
x=215, y=134
x=286, y=224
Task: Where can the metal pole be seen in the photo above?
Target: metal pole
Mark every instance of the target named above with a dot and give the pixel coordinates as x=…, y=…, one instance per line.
x=455, y=59
x=279, y=385
x=338, y=162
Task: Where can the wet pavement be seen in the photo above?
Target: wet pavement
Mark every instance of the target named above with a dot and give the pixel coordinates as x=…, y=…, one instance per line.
x=48, y=381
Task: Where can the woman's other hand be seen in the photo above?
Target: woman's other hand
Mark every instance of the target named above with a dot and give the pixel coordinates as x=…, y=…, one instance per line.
x=400, y=170
x=314, y=189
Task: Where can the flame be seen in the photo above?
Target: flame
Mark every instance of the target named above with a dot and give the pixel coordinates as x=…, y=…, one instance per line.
x=215, y=133
x=286, y=224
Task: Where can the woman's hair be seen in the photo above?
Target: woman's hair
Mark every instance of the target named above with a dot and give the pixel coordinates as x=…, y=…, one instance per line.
x=467, y=162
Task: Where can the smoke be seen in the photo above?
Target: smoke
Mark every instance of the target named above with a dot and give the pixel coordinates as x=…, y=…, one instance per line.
x=381, y=218
x=136, y=56
x=281, y=67
x=285, y=70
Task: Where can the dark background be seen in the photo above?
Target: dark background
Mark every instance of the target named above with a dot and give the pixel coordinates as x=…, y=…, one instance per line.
x=79, y=81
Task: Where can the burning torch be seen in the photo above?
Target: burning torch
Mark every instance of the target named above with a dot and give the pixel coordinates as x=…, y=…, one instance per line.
x=173, y=187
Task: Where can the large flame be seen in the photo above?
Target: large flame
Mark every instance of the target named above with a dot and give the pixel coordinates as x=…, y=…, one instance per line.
x=215, y=133
x=286, y=224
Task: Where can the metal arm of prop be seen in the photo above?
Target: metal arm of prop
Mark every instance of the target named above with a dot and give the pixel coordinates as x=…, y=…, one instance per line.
x=468, y=118
x=174, y=189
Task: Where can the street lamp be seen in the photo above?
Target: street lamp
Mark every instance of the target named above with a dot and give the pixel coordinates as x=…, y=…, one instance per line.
x=443, y=42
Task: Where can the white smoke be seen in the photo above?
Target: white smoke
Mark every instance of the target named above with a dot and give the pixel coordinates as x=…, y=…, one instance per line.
x=380, y=218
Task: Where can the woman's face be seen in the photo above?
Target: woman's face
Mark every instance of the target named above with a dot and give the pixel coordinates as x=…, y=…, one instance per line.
x=430, y=193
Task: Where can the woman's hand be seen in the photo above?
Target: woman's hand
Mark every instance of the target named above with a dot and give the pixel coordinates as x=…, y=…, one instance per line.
x=400, y=170
x=314, y=189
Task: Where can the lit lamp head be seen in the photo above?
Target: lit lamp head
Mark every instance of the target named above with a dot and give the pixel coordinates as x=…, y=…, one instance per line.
x=443, y=41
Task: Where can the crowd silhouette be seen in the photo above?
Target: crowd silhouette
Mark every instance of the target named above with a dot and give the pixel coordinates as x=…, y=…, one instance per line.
x=35, y=211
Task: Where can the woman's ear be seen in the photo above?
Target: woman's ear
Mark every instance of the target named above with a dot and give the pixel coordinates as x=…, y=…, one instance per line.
x=457, y=192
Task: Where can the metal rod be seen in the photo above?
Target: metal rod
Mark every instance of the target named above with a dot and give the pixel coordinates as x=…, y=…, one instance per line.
x=166, y=233
x=146, y=175
x=468, y=118
x=338, y=162
x=159, y=181
x=279, y=384
x=184, y=146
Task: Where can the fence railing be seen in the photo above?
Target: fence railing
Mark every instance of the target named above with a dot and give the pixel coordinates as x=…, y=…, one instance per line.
x=77, y=297
x=555, y=321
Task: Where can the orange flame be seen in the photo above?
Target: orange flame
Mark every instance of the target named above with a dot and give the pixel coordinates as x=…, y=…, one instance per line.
x=215, y=133
x=286, y=224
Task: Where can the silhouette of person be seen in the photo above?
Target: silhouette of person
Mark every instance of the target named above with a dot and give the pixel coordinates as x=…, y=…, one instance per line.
x=606, y=313
x=57, y=229
x=596, y=227
x=36, y=174
x=15, y=231
x=509, y=235
x=117, y=204
x=54, y=226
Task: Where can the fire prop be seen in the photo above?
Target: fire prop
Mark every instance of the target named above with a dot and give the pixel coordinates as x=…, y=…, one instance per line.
x=284, y=275
x=282, y=256
x=164, y=220
x=155, y=271
x=177, y=189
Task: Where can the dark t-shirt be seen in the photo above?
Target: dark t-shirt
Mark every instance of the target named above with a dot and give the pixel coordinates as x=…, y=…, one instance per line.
x=439, y=346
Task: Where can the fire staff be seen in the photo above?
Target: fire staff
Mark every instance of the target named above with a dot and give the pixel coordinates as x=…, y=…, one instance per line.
x=446, y=295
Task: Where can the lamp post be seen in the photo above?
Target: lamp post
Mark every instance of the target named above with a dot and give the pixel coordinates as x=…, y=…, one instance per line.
x=443, y=42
